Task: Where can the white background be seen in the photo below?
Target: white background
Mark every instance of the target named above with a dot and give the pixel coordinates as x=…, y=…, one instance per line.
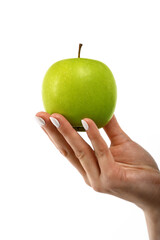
x=42, y=196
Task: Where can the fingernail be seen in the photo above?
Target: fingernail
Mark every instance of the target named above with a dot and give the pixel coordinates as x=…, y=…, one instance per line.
x=40, y=121
x=85, y=124
x=55, y=122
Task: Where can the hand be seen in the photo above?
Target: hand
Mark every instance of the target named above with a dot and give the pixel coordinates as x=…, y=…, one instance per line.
x=124, y=169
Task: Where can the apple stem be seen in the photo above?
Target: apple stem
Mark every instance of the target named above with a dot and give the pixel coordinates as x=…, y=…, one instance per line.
x=80, y=45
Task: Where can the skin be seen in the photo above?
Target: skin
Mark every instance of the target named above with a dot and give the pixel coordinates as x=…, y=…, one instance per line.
x=124, y=169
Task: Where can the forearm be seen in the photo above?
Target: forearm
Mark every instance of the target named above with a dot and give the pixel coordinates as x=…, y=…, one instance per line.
x=153, y=224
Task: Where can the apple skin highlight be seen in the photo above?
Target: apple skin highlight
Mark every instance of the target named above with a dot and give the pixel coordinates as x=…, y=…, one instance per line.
x=80, y=88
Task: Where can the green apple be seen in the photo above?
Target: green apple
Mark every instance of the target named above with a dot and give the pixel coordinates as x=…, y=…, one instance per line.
x=80, y=88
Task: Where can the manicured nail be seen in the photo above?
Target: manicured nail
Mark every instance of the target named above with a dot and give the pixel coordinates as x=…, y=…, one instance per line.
x=85, y=125
x=40, y=121
x=55, y=122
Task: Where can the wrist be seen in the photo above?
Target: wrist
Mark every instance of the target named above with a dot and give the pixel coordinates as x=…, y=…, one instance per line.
x=153, y=223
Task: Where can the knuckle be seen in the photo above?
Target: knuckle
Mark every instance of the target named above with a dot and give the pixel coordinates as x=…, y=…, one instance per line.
x=97, y=187
x=101, y=152
x=64, y=152
x=80, y=154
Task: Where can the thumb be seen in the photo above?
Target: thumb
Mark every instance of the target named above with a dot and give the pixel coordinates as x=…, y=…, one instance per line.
x=115, y=133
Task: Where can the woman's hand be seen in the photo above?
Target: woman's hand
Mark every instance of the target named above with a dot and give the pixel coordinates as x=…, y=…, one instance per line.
x=124, y=169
